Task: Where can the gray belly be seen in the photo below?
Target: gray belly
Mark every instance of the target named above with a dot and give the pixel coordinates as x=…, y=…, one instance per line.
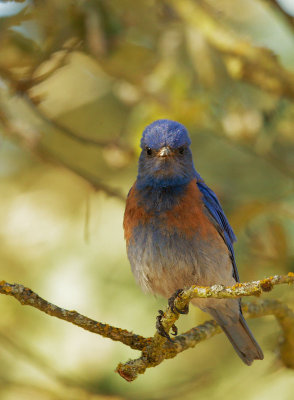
x=163, y=261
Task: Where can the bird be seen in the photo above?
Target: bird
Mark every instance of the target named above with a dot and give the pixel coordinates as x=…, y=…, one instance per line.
x=177, y=234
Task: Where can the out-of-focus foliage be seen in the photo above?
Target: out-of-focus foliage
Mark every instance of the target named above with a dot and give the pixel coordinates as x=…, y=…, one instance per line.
x=78, y=82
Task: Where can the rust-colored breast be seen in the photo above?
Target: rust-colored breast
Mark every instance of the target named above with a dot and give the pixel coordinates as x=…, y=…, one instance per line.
x=188, y=215
x=134, y=214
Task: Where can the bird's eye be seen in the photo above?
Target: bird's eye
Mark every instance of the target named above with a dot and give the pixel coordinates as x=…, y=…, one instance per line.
x=181, y=150
x=148, y=151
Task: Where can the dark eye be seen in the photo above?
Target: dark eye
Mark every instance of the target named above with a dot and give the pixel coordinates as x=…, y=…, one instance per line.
x=148, y=151
x=181, y=150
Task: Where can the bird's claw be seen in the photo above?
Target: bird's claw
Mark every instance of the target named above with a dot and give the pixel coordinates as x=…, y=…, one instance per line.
x=171, y=303
x=174, y=330
x=160, y=329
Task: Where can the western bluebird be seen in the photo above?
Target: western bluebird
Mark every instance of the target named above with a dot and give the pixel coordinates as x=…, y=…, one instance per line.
x=177, y=234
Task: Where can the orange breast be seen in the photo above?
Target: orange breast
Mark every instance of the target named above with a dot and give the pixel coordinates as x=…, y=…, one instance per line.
x=134, y=214
x=189, y=217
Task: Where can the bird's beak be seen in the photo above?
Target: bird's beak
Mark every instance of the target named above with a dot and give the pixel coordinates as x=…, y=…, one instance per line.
x=164, y=152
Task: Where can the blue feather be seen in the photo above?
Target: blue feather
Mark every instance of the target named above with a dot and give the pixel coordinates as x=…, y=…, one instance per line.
x=215, y=210
x=164, y=132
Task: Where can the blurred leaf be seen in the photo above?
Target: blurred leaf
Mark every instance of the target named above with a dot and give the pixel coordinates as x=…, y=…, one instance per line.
x=245, y=213
x=278, y=242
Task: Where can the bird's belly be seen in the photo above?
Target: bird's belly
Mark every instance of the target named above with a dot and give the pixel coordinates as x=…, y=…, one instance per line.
x=164, y=261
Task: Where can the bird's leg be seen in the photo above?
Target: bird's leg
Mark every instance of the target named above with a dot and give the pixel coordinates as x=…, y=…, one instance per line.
x=160, y=328
x=171, y=303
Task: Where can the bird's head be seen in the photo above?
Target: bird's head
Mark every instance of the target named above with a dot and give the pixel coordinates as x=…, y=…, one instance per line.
x=166, y=158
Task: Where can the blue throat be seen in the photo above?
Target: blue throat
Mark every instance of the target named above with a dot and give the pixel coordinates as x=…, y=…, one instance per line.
x=162, y=194
x=163, y=183
x=146, y=179
x=158, y=199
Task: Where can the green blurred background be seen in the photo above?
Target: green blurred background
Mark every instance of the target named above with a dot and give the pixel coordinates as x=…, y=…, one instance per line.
x=79, y=80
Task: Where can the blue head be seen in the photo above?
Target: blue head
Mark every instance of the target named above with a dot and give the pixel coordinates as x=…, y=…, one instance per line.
x=166, y=158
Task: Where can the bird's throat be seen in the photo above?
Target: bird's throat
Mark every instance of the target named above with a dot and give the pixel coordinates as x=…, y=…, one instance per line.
x=160, y=199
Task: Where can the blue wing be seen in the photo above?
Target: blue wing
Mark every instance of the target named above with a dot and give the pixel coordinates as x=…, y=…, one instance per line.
x=220, y=220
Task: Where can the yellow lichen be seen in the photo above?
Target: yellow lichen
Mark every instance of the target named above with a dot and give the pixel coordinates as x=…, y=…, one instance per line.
x=266, y=285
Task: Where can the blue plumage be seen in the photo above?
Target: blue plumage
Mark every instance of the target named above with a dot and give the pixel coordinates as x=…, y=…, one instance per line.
x=164, y=132
x=213, y=206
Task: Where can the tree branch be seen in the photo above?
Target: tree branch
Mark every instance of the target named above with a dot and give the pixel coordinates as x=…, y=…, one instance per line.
x=31, y=142
x=285, y=318
x=92, y=179
x=255, y=65
x=200, y=333
x=22, y=88
x=65, y=130
x=29, y=298
x=157, y=349
x=276, y=6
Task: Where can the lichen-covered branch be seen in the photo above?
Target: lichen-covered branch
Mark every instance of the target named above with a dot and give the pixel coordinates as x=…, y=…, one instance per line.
x=254, y=288
x=157, y=349
x=152, y=356
x=29, y=298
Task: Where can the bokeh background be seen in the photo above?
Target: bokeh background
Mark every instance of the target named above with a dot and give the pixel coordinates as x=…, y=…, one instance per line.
x=79, y=80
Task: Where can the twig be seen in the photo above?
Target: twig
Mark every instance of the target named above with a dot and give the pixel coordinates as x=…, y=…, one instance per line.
x=157, y=349
x=62, y=60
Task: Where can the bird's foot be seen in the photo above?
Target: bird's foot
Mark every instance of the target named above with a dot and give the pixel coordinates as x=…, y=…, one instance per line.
x=171, y=303
x=160, y=329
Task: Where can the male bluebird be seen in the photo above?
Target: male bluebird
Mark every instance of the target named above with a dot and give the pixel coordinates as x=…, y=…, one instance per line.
x=177, y=234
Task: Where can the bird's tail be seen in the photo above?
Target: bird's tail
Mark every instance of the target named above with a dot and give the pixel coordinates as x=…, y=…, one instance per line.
x=241, y=338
